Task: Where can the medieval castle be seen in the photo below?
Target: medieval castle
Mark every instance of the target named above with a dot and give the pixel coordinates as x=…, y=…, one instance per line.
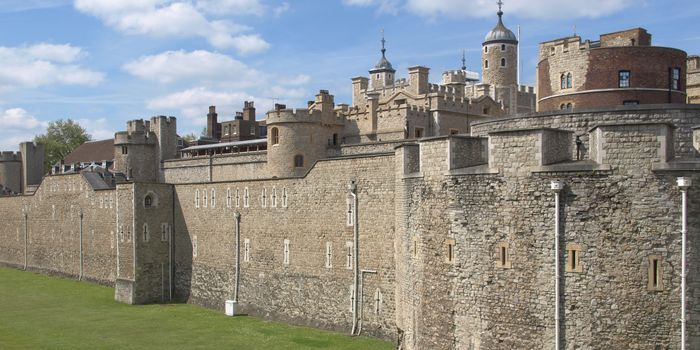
x=462, y=215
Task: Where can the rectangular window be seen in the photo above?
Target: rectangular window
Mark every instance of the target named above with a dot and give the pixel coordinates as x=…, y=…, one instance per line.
x=503, y=256
x=205, y=200
x=228, y=198
x=655, y=272
x=285, y=197
x=196, y=198
x=348, y=255
x=675, y=78
x=418, y=132
x=246, y=197
x=146, y=235
x=238, y=199
x=450, y=251
x=164, y=234
x=125, y=150
x=263, y=198
x=454, y=131
x=285, y=259
x=350, y=212
x=194, y=246
x=246, y=250
x=329, y=255
x=630, y=102
x=573, y=259
x=378, y=301
x=274, y=197
x=213, y=198
x=624, y=79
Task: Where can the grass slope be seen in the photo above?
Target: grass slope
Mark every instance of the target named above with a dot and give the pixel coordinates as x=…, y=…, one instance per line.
x=38, y=311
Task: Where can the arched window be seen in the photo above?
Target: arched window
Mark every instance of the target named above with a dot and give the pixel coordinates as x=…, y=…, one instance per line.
x=148, y=201
x=563, y=81
x=274, y=136
x=569, y=105
x=568, y=80
x=503, y=47
x=486, y=63
x=298, y=161
x=503, y=62
x=486, y=49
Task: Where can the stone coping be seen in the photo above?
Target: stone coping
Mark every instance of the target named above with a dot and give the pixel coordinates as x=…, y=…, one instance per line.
x=482, y=169
x=572, y=166
x=697, y=127
x=601, y=110
x=632, y=124
x=508, y=131
x=677, y=165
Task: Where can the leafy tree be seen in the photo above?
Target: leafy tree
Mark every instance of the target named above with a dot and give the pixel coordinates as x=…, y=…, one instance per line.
x=190, y=137
x=61, y=138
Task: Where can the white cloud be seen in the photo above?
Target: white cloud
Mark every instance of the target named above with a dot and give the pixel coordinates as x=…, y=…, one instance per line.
x=18, y=118
x=198, y=65
x=44, y=64
x=541, y=9
x=232, y=7
x=182, y=19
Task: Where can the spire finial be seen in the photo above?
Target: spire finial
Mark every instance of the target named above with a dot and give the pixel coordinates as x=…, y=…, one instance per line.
x=464, y=59
x=500, y=8
x=383, y=42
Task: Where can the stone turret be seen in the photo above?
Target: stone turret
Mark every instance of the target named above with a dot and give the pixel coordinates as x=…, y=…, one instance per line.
x=296, y=139
x=383, y=73
x=140, y=149
x=499, y=63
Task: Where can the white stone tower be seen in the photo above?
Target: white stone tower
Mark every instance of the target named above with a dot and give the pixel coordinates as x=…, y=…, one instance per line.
x=383, y=73
x=499, y=59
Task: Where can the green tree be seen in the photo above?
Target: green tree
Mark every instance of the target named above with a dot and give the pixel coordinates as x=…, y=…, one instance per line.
x=190, y=137
x=61, y=138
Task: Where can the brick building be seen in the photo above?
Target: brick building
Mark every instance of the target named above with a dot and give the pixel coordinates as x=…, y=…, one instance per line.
x=622, y=68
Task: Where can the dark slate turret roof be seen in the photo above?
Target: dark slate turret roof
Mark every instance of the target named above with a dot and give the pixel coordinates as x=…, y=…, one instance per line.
x=500, y=34
x=383, y=65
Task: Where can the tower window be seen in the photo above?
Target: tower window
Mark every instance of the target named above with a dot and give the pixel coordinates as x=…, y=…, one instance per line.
x=450, y=251
x=503, y=62
x=486, y=64
x=298, y=161
x=274, y=136
x=503, y=47
x=285, y=258
x=568, y=81
x=125, y=150
x=503, y=256
x=563, y=81
x=573, y=259
x=655, y=272
x=148, y=201
x=675, y=78
x=624, y=79
x=486, y=49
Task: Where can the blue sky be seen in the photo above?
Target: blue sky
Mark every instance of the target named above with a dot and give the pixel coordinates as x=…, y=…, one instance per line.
x=103, y=62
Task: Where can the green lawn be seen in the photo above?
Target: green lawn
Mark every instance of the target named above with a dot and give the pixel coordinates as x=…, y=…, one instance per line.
x=38, y=311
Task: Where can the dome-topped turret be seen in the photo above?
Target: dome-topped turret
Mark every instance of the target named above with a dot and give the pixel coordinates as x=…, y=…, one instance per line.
x=383, y=65
x=500, y=34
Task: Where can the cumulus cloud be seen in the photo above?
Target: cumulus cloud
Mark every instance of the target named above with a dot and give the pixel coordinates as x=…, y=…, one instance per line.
x=18, y=118
x=541, y=9
x=44, y=64
x=171, y=66
x=182, y=19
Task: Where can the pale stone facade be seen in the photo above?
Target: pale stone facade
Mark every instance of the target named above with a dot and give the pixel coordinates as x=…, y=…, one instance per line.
x=437, y=241
x=693, y=79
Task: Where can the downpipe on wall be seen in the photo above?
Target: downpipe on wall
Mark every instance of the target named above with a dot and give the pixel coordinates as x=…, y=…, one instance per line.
x=80, y=213
x=362, y=293
x=356, y=269
x=683, y=183
x=26, y=237
x=232, y=305
x=557, y=187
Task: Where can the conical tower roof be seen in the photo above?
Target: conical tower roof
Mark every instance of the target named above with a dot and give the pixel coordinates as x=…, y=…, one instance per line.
x=500, y=34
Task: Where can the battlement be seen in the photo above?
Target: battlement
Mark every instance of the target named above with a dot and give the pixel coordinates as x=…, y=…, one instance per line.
x=693, y=63
x=138, y=131
x=526, y=89
x=298, y=115
x=9, y=156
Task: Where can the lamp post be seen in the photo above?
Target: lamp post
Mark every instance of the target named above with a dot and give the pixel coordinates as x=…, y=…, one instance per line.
x=557, y=187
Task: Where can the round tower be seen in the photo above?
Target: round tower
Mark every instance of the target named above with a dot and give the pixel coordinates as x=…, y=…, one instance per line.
x=296, y=139
x=499, y=55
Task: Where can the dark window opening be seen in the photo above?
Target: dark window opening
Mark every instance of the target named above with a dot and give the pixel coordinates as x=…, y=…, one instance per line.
x=298, y=161
x=675, y=78
x=125, y=150
x=274, y=136
x=630, y=102
x=503, y=62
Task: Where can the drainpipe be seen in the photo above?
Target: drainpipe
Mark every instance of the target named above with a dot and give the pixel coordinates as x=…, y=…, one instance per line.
x=683, y=183
x=80, y=277
x=556, y=186
x=356, y=271
x=26, y=238
x=237, y=216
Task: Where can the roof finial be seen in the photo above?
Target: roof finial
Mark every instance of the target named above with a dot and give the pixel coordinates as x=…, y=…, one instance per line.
x=464, y=59
x=500, y=8
x=383, y=42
